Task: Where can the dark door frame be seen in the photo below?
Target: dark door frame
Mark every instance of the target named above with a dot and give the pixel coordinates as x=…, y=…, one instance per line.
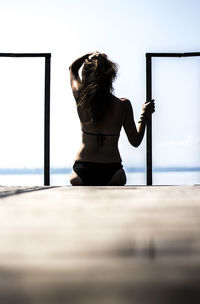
x=47, y=57
x=149, y=57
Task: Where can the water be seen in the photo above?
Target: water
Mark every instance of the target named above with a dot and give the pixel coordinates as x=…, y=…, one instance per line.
x=133, y=178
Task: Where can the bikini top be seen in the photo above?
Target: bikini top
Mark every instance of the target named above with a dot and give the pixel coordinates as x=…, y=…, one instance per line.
x=100, y=137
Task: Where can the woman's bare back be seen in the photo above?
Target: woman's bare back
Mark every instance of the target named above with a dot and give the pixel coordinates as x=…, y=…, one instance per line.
x=106, y=151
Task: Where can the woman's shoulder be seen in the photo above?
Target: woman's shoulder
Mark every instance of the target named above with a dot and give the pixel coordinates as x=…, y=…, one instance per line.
x=122, y=102
x=125, y=100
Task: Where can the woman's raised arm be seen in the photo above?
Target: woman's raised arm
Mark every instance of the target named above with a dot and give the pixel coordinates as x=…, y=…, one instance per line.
x=75, y=80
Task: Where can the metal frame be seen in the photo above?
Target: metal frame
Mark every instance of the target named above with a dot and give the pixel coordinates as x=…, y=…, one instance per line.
x=47, y=57
x=149, y=97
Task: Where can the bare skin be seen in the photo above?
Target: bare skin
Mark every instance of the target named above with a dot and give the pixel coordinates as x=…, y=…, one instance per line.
x=119, y=114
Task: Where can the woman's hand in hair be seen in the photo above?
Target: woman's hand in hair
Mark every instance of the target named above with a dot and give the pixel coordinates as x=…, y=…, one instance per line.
x=93, y=55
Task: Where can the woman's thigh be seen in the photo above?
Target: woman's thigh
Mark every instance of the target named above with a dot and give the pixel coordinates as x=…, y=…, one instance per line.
x=75, y=180
x=118, y=179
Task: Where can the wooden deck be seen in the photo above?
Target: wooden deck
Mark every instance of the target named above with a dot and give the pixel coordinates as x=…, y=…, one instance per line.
x=100, y=245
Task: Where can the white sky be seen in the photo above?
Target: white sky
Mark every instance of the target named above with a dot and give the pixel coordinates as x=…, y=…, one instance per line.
x=123, y=29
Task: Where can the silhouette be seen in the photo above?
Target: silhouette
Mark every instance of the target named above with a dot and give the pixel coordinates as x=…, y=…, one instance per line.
x=102, y=115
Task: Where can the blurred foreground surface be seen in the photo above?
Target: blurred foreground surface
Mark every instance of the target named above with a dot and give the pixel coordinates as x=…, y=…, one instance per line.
x=100, y=245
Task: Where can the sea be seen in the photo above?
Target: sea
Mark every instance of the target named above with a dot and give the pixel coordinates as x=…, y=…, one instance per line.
x=135, y=176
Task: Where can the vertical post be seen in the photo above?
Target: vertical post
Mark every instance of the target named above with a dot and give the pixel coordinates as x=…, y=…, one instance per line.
x=149, y=122
x=47, y=121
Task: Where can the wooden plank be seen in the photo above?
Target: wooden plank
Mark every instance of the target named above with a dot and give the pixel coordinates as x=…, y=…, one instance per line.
x=100, y=245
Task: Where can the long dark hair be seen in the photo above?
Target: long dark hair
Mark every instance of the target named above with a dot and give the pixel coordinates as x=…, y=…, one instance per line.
x=95, y=96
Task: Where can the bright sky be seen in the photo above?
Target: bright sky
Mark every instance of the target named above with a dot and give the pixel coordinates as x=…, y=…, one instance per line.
x=125, y=30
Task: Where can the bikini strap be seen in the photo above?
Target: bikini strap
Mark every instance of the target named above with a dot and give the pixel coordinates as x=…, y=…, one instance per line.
x=95, y=134
x=100, y=137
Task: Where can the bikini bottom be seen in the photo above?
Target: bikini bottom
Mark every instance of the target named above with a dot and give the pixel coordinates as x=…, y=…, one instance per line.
x=96, y=174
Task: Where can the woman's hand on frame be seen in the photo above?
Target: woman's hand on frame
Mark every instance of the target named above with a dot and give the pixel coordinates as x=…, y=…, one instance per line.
x=148, y=107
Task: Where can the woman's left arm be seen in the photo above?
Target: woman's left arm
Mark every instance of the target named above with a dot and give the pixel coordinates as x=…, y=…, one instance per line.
x=75, y=80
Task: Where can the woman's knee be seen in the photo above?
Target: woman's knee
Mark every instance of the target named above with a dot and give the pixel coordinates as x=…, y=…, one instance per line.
x=118, y=179
x=75, y=180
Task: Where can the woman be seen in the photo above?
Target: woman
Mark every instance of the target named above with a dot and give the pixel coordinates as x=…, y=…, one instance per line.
x=102, y=115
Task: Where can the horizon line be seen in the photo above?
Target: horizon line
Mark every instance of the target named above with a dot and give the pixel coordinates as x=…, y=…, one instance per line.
x=67, y=170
